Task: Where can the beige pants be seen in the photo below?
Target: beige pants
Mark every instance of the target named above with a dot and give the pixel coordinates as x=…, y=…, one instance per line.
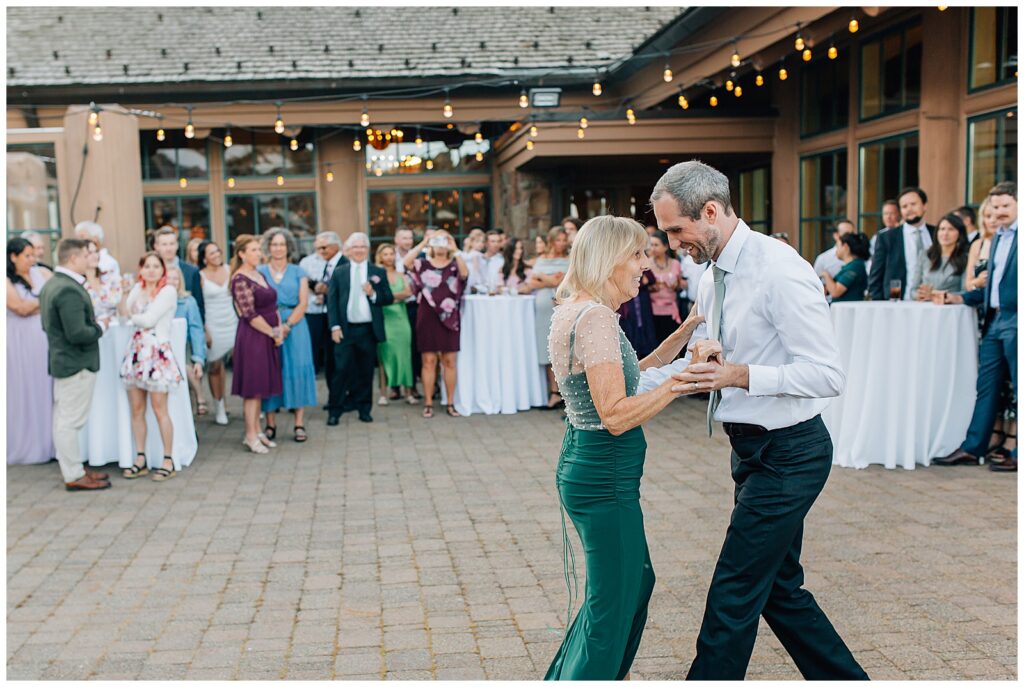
x=72, y=397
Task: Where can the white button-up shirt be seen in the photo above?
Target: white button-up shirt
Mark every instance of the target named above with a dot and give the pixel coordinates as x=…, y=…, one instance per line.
x=912, y=256
x=80, y=278
x=358, y=303
x=313, y=267
x=828, y=262
x=999, y=260
x=776, y=321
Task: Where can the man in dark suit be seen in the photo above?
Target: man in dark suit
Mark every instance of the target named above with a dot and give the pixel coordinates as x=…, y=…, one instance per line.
x=997, y=355
x=898, y=250
x=355, y=296
x=165, y=243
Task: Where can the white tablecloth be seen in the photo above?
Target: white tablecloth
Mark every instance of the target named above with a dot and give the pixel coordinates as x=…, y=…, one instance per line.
x=497, y=366
x=107, y=435
x=911, y=370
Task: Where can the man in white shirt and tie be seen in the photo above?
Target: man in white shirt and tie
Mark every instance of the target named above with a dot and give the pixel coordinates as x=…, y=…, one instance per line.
x=355, y=296
x=318, y=267
x=898, y=251
x=772, y=364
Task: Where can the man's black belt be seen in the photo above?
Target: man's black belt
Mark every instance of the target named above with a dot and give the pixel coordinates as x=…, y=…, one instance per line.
x=738, y=430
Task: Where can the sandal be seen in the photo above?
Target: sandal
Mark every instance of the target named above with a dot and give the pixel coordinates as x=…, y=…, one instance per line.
x=383, y=401
x=256, y=446
x=300, y=434
x=998, y=455
x=394, y=395
x=201, y=408
x=136, y=470
x=162, y=474
x=428, y=411
x=412, y=400
x=266, y=441
x=452, y=412
x=270, y=432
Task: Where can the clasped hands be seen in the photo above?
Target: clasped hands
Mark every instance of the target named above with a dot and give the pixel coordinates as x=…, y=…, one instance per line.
x=709, y=371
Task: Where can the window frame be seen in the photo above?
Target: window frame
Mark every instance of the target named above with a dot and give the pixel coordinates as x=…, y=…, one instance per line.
x=258, y=231
x=803, y=78
x=488, y=163
x=284, y=144
x=146, y=139
x=998, y=115
x=801, y=219
x=971, y=88
x=860, y=217
x=757, y=225
x=878, y=37
x=398, y=190
x=147, y=210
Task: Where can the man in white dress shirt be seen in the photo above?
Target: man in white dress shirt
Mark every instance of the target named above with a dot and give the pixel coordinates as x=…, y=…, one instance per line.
x=827, y=261
x=772, y=363
x=489, y=274
x=318, y=267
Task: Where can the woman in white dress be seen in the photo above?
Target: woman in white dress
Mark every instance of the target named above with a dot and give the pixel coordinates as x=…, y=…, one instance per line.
x=547, y=274
x=221, y=321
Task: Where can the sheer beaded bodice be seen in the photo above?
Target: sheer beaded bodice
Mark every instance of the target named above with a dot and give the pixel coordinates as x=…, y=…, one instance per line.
x=583, y=335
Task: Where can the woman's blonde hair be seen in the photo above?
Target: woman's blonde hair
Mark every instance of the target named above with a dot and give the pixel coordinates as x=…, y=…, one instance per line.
x=984, y=231
x=602, y=243
x=182, y=292
x=380, y=249
x=242, y=242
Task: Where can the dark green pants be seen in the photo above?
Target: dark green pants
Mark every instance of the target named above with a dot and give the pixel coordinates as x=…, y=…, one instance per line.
x=599, y=484
x=778, y=476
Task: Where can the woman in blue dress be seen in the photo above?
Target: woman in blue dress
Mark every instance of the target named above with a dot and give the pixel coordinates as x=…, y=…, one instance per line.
x=298, y=375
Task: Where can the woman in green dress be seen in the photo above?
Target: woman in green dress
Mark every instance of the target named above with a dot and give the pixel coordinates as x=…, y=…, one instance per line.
x=851, y=281
x=395, y=352
x=602, y=459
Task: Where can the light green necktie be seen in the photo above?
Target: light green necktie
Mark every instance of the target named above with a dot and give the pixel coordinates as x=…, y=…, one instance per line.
x=716, y=335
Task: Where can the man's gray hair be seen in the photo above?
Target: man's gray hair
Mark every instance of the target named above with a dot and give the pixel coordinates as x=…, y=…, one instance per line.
x=31, y=236
x=331, y=237
x=357, y=237
x=692, y=184
x=91, y=228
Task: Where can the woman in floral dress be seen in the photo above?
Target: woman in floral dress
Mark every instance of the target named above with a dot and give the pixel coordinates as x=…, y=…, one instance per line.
x=149, y=368
x=440, y=281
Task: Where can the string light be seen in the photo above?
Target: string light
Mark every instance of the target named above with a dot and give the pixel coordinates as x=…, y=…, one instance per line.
x=942, y=8
x=799, y=42
x=183, y=182
x=478, y=137
x=228, y=141
x=783, y=74
x=735, y=59
x=630, y=116
x=759, y=79
x=357, y=145
x=533, y=130
x=713, y=101
x=280, y=180
x=596, y=88
x=584, y=123
x=419, y=139
x=833, y=53
x=279, y=123
x=738, y=91
x=190, y=129
x=330, y=175
x=529, y=144
x=667, y=74
x=97, y=132
x=683, y=102
x=94, y=114
x=479, y=156
x=294, y=145
x=448, y=111
x=364, y=118
x=231, y=182
x=580, y=133
x=524, y=100
x=854, y=25
x=430, y=164
x=807, y=55
x=729, y=84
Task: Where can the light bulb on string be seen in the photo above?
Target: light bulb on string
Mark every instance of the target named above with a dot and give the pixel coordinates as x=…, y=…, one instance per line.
x=799, y=43
x=738, y=91
x=853, y=26
x=160, y=135
x=228, y=141
x=735, y=59
x=630, y=115
x=430, y=164
x=294, y=145
x=183, y=182
x=357, y=145
x=478, y=137
x=94, y=114
x=596, y=88
x=231, y=182
x=534, y=130
x=580, y=133
x=448, y=111
x=330, y=175
x=479, y=156
x=729, y=84
x=807, y=55
x=942, y=8
x=190, y=129
x=667, y=74
x=833, y=52
x=529, y=144
x=759, y=79
x=783, y=74
x=683, y=102
x=584, y=123
x=280, y=180
x=279, y=123
x=713, y=101
x=364, y=118
x=97, y=132
x=524, y=100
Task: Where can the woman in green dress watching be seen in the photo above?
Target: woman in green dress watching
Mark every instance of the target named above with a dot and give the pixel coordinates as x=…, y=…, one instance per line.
x=395, y=353
x=851, y=281
x=602, y=458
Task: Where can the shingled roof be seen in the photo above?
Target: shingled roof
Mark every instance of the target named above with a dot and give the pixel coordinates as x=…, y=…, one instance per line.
x=112, y=46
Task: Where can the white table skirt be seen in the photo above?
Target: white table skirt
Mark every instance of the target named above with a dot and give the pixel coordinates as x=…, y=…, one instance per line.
x=497, y=364
x=911, y=370
x=107, y=435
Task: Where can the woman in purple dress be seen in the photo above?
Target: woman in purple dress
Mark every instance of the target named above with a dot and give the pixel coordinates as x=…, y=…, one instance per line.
x=439, y=281
x=257, y=360
x=29, y=387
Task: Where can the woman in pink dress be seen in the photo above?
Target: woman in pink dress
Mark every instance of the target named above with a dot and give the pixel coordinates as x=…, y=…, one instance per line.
x=667, y=271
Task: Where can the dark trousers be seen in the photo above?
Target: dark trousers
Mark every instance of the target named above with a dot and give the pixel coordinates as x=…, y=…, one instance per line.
x=997, y=360
x=417, y=360
x=778, y=476
x=323, y=347
x=354, y=359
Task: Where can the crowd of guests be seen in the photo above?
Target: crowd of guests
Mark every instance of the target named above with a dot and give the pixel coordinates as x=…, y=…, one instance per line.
x=283, y=321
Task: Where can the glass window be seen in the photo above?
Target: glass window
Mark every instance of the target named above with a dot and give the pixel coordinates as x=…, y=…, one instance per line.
x=456, y=210
x=266, y=154
x=190, y=215
x=173, y=158
x=823, y=198
x=991, y=152
x=754, y=197
x=993, y=58
x=32, y=190
x=886, y=166
x=258, y=213
x=824, y=95
x=461, y=156
x=890, y=68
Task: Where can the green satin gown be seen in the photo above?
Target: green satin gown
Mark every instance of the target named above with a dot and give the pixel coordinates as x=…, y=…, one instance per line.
x=598, y=480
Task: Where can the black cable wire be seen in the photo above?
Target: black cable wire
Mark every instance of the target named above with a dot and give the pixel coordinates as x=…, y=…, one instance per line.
x=81, y=176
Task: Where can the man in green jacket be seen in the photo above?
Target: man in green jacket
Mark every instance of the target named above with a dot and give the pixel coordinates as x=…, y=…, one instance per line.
x=74, y=359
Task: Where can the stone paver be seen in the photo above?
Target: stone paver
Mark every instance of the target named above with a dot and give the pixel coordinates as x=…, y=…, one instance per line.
x=412, y=549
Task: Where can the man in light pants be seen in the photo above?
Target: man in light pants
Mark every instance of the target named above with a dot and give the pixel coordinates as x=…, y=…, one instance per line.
x=74, y=359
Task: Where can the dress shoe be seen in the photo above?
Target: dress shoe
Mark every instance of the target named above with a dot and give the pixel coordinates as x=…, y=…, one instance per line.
x=86, y=483
x=332, y=420
x=1009, y=465
x=957, y=457
x=365, y=417
x=97, y=475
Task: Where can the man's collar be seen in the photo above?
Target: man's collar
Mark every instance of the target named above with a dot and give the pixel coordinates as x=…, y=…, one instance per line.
x=80, y=279
x=1012, y=227
x=731, y=252
x=335, y=259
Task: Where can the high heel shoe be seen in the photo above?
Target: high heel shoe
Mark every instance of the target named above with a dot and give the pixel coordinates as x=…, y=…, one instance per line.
x=256, y=446
x=266, y=441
